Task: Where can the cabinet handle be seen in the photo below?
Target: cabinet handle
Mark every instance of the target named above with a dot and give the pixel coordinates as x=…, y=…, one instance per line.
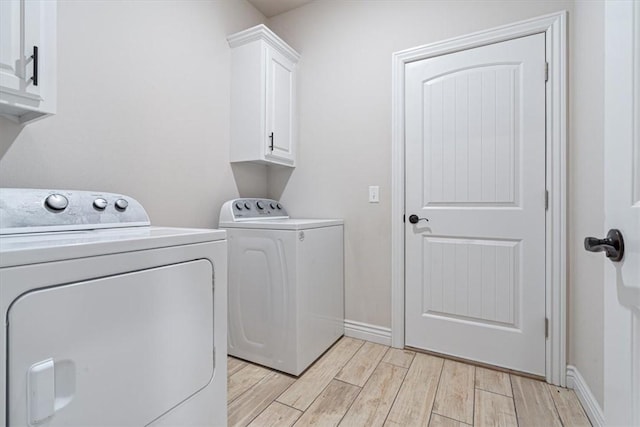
x=35, y=66
x=271, y=143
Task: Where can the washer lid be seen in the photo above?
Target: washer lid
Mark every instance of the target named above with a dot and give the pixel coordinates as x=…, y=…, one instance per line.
x=33, y=248
x=283, y=224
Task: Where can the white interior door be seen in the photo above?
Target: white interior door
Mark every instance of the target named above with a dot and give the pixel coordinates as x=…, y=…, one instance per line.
x=475, y=168
x=622, y=211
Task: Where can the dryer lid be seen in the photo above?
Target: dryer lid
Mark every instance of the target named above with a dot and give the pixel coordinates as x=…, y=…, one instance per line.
x=24, y=249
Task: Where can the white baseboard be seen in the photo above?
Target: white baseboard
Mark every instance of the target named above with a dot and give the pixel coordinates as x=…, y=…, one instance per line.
x=591, y=406
x=365, y=331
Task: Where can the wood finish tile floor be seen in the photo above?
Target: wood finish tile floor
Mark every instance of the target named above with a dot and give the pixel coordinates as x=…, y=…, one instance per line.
x=359, y=383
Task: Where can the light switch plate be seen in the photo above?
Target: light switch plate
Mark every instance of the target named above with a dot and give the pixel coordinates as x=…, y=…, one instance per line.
x=374, y=194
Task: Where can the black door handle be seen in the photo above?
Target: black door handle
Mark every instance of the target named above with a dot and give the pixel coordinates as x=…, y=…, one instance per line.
x=612, y=245
x=34, y=78
x=271, y=143
x=413, y=219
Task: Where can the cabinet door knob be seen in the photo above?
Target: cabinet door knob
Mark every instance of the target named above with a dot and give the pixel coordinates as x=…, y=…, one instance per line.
x=271, y=143
x=34, y=78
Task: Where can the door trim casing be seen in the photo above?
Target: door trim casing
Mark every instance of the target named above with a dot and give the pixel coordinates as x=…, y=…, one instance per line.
x=554, y=26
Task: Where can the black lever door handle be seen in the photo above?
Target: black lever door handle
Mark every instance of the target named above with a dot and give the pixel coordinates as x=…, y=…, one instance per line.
x=612, y=245
x=413, y=219
x=271, y=143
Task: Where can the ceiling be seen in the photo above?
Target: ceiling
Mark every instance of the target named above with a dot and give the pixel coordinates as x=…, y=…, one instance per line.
x=271, y=8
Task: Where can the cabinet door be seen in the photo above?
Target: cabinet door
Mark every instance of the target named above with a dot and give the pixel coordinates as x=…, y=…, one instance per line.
x=20, y=22
x=280, y=129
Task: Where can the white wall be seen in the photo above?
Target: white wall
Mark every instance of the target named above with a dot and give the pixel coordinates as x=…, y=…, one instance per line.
x=143, y=109
x=586, y=198
x=345, y=138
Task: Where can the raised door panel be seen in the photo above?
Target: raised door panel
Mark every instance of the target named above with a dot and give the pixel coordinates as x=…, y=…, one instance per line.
x=20, y=31
x=473, y=280
x=280, y=131
x=471, y=137
x=121, y=350
x=11, y=28
x=33, y=21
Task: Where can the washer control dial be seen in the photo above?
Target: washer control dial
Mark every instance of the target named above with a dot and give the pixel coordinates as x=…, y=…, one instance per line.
x=247, y=205
x=100, y=204
x=259, y=205
x=121, y=204
x=56, y=202
x=239, y=206
x=279, y=206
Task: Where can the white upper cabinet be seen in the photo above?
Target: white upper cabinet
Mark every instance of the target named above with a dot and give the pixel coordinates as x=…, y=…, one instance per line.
x=263, y=98
x=27, y=59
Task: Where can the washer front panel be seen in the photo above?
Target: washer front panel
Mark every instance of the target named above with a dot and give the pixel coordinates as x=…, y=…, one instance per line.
x=286, y=295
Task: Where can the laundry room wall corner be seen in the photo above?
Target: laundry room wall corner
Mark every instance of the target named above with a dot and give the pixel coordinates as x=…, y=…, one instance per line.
x=586, y=199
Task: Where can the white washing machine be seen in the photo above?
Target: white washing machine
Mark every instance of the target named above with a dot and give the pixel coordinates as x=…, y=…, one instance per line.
x=107, y=320
x=286, y=284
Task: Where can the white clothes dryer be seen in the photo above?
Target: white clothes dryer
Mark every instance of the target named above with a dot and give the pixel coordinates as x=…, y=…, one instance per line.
x=107, y=320
x=286, y=284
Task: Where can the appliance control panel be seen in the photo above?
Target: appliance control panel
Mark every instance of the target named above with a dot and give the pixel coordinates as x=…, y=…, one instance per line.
x=26, y=210
x=246, y=209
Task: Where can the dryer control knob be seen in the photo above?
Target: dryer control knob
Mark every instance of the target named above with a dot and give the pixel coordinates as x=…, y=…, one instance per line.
x=56, y=202
x=273, y=205
x=100, y=204
x=238, y=206
x=247, y=205
x=279, y=206
x=121, y=204
x=260, y=205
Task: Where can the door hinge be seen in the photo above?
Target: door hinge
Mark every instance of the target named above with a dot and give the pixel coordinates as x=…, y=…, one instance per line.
x=546, y=327
x=546, y=200
x=546, y=71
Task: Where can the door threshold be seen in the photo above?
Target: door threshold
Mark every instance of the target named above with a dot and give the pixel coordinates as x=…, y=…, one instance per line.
x=476, y=363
